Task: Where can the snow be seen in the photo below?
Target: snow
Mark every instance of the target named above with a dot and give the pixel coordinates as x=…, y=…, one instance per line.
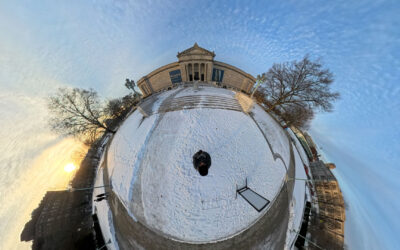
x=161, y=97
x=127, y=146
x=151, y=171
x=298, y=200
x=274, y=133
x=102, y=209
x=206, y=90
x=296, y=209
x=299, y=147
x=180, y=202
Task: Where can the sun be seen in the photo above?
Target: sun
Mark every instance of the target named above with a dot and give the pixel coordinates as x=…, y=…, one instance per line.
x=69, y=167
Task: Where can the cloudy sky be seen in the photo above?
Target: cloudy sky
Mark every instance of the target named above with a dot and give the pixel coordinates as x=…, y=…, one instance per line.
x=97, y=44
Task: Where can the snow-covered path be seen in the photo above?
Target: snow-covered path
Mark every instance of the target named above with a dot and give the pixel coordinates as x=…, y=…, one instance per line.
x=150, y=166
x=175, y=197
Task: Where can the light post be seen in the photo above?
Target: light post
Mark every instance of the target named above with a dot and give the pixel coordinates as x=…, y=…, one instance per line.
x=260, y=79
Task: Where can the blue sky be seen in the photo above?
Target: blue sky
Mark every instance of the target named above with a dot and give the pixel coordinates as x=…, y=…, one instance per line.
x=100, y=43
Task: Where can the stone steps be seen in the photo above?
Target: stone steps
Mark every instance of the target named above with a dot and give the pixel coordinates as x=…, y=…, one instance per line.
x=200, y=101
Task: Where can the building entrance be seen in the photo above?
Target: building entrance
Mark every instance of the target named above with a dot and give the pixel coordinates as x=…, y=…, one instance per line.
x=196, y=72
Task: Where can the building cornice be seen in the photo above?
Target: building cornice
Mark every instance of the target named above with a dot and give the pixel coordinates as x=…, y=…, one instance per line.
x=231, y=67
x=158, y=70
x=195, y=46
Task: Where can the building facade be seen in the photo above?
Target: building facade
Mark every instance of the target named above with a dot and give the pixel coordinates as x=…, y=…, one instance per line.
x=328, y=213
x=331, y=206
x=196, y=64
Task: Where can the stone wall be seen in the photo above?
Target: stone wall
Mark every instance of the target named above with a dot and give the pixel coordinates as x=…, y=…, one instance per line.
x=159, y=79
x=234, y=77
x=331, y=216
x=200, y=63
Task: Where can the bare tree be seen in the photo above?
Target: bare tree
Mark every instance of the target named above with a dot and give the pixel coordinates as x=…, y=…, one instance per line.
x=117, y=109
x=303, y=84
x=297, y=116
x=77, y=112
x=114, y=108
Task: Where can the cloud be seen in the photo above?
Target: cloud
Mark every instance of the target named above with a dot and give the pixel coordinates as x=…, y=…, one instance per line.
x=98, y=45
x=369, y=189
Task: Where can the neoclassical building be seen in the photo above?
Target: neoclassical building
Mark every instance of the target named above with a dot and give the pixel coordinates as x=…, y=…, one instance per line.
x=196, y=64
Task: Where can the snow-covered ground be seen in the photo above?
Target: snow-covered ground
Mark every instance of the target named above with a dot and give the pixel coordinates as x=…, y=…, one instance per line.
x=151, y=170
x=300, y=191
x=298, y=201
x=205, y=90
x=274, y=133
x=187, y=206
x=299, y=147
x=127, y=147
x=104, y=213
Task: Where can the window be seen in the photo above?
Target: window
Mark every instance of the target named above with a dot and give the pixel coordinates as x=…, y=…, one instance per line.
x=217, y=75
x=175, y=76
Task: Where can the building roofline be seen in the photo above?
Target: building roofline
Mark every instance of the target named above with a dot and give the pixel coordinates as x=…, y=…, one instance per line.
x=235, y=69
x=195, y=46
x=156, y=71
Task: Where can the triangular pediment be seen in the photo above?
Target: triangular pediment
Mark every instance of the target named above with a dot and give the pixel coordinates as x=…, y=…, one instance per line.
x=196, y=50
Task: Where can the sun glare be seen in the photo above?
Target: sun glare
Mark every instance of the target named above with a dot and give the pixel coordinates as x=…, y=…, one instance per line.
x=69, y=167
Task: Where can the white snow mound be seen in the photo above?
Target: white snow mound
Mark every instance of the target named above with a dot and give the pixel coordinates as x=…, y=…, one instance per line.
x=151, y=169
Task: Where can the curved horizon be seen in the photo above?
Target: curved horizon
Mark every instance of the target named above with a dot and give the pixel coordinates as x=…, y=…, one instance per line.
x=81, y=44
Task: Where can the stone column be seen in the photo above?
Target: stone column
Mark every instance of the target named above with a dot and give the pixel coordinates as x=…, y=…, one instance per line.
x=202, y=69
x=208, y=71
x=192, y=72
x=205, y=72
x=189, y=71
x=186, y=72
